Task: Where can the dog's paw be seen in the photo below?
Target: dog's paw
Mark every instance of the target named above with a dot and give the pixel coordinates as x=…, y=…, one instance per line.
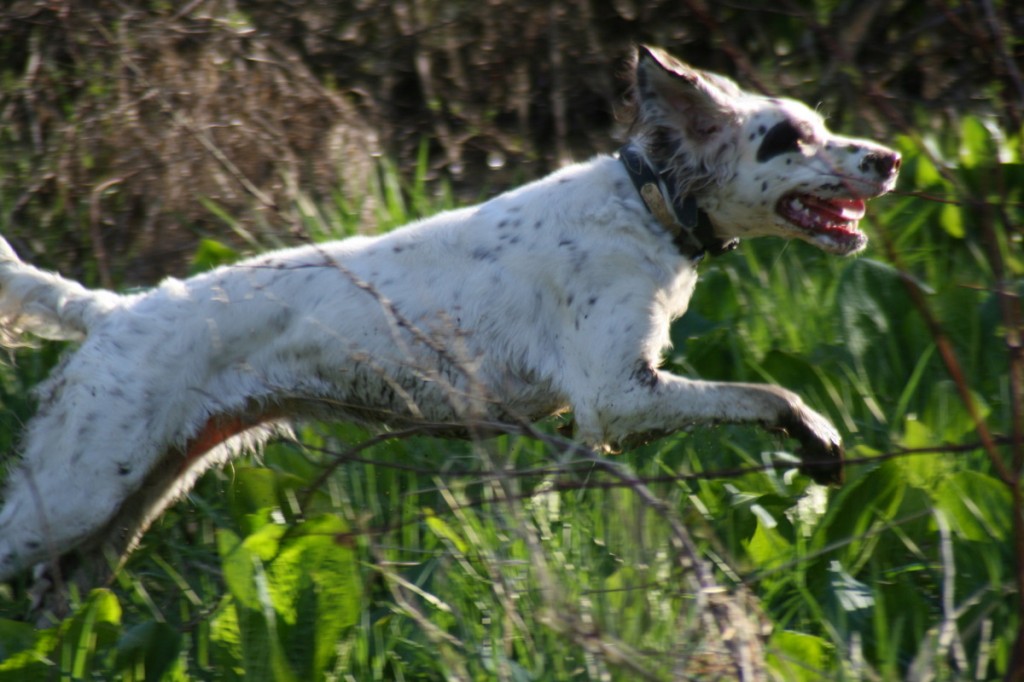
x=821, y=448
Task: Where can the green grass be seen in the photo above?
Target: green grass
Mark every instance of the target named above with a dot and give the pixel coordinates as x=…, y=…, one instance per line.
x=516, y=559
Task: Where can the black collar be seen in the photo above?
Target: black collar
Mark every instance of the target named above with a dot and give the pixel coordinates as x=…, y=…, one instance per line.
x=690, y=227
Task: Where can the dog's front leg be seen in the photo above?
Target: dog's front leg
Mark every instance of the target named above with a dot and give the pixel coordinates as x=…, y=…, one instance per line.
x=654, y=401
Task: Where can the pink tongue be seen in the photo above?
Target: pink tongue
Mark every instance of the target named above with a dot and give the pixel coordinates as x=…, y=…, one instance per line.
x=841, y=209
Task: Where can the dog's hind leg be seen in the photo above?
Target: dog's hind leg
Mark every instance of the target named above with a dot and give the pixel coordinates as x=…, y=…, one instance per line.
x=77, y=466
x=79, y=488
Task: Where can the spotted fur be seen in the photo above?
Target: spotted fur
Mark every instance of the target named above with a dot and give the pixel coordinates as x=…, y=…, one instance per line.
x=554, y=296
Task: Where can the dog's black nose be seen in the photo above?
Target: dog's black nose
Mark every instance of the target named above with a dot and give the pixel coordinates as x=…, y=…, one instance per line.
x=885, y=164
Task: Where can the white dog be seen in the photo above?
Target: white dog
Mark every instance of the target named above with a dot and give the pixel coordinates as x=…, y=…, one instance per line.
x=555, y=296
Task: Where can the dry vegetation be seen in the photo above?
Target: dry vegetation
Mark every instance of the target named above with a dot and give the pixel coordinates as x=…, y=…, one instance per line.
x=146, y=112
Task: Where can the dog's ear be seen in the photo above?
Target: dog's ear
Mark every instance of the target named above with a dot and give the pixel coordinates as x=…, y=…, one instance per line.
x=699, y=103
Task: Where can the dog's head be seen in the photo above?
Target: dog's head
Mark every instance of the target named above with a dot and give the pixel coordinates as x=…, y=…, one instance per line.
x=759, y=166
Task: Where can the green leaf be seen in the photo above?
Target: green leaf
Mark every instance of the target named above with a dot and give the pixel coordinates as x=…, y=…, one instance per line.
x=295, y=592
x=442, y=529
x=253, y=489
x=947, y=416
x=925, y=173
x=976, y=143
x=799, y=657
x=951, y=219
x=916, y=435
x=768, y=547
x=316, y=590
x=874, y=498
x=151, y=647
x=245, y=573
x=211, y=254
x=226, y=638
x=15, y=637
x=94, y=628
x=979, y=507
x=240, y=560
x=25, y=653
x=254, y=498
x=880, y=328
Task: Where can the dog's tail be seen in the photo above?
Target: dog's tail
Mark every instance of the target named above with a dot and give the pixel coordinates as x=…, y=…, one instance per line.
x=43, y=303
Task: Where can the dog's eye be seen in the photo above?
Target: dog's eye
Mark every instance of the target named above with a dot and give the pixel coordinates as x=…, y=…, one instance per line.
x=782, y=138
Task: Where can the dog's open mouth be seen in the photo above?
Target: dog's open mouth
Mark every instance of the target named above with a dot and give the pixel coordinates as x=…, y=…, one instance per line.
x=831, y=223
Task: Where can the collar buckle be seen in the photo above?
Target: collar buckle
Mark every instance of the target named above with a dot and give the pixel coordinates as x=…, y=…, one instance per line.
x=690, y=227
